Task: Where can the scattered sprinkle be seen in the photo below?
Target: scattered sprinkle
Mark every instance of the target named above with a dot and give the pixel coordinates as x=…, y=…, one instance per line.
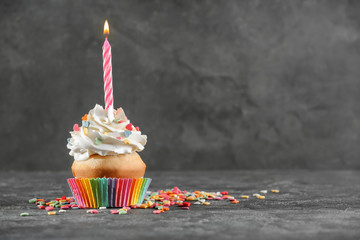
x=62, y=211
x=98, y=141
x=244, y=196
x=137, y=129
x=118, y=138
x=129, y=127
x=102, y=208
x=275, y=190
x=256, y=195
x=33, y=200
x=49, y=208
x=127, y=133
x=52, y=213
x=76, y=127
x=86, y=124
x=126, y=141
x=24, y=214
x=264, y=191
x=261, y=197
x=185, y=208
x=206, y=203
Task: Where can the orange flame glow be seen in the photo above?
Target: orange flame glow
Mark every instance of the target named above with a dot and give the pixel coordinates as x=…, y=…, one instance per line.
x=106, y=28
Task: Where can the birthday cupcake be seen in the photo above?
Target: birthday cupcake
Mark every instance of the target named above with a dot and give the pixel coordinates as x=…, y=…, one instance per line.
x=108, y=170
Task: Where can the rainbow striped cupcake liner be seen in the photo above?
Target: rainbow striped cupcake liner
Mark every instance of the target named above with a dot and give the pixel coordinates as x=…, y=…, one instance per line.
x=108, y=192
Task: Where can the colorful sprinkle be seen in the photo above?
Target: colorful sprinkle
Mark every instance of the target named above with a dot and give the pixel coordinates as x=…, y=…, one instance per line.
x=86, y=131
x=137, y=129
x=33, y=200
x=261, y=197
x=49, y=208
x=185, y=208
x=127, y=133
x=129, y=127
x=98, y=141
x=244, y=196
x=206, y=203
x=62, y=211
x=76, y=127
x=102, y=208
x=24, y=214
x=275, y=190
x=84, y=118
x=52, y=213
x=263, y=191
x=126, y=141
x=118, y=138
x=86, y=124
x=69, y=140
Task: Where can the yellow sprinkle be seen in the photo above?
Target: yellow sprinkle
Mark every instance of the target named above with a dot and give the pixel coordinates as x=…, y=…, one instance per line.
x=105, y=133
x=126, y=141
x=150, y=203
x=245, y=196
x=235, y=202
x=52, y=213
x=190, y=198
x=275, y=191
x=86, y=131
x=61, y=201
x=206, y=203
x=261, y=197
x=143, y=205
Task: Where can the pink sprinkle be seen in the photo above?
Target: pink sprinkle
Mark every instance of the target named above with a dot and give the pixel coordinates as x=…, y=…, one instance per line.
x=218, y=198
x=127, y=208
x=156, y=212
x=209, y=198
x=64, y=207
x=232, y=199
x=134, y=206
x=224, y=197
x=94, y=211
x=49, y=208
x=76, y=128
x=118, y=138
x=114, y=211
x=185, y=208
x=166, y=204
x=41, y=207
x=74, y=205
x=137, y=129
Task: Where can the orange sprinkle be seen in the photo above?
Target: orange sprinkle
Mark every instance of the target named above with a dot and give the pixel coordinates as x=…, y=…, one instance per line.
x=84, y=117
x=40, y=200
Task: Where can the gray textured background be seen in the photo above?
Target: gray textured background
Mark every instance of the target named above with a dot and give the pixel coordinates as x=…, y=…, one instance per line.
x=214, y=84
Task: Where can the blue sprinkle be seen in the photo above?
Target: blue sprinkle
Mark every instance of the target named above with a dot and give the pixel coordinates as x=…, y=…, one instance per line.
x=86, y=123
x=127, y=133
x=69, y=140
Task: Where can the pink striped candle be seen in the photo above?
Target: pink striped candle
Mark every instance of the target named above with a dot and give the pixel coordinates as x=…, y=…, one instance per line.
x=108, y=88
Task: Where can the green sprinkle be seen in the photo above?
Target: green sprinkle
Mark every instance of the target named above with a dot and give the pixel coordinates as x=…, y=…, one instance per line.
x=33, y=200
x=24, y=214
x=122, y=211
x=98, y=141
x=42, y=203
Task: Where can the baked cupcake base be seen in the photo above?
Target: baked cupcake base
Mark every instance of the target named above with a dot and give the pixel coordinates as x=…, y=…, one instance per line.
x=108, y=192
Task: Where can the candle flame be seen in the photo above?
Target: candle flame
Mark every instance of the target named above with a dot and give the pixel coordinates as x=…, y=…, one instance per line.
x=106, y=28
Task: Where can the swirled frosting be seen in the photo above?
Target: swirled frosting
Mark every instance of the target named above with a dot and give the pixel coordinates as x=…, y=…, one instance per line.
x=104, y=132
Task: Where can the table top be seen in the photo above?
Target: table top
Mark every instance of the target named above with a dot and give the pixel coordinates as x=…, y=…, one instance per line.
x=310, y=205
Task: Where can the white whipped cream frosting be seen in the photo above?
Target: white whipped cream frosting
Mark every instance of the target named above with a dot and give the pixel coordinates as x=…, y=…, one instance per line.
x=105, y=133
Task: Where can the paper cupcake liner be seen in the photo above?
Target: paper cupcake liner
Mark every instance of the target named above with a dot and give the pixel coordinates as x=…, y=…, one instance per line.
x=108, y=192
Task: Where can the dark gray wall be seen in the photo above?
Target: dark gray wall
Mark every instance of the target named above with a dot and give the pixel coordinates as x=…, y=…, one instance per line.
x=214, y=84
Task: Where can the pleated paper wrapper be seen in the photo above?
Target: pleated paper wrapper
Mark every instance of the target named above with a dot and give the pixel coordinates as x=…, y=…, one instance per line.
x=108, y=192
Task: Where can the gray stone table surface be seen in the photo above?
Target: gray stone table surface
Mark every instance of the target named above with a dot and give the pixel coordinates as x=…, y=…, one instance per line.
x=310, y=205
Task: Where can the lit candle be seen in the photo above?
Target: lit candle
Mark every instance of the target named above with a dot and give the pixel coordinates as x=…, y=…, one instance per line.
x=108, y=88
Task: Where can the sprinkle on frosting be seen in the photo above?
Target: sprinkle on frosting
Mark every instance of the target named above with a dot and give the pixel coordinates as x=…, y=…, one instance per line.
x=104, y=132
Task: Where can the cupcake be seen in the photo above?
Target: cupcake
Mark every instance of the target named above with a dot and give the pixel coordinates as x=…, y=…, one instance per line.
x=108, y=170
